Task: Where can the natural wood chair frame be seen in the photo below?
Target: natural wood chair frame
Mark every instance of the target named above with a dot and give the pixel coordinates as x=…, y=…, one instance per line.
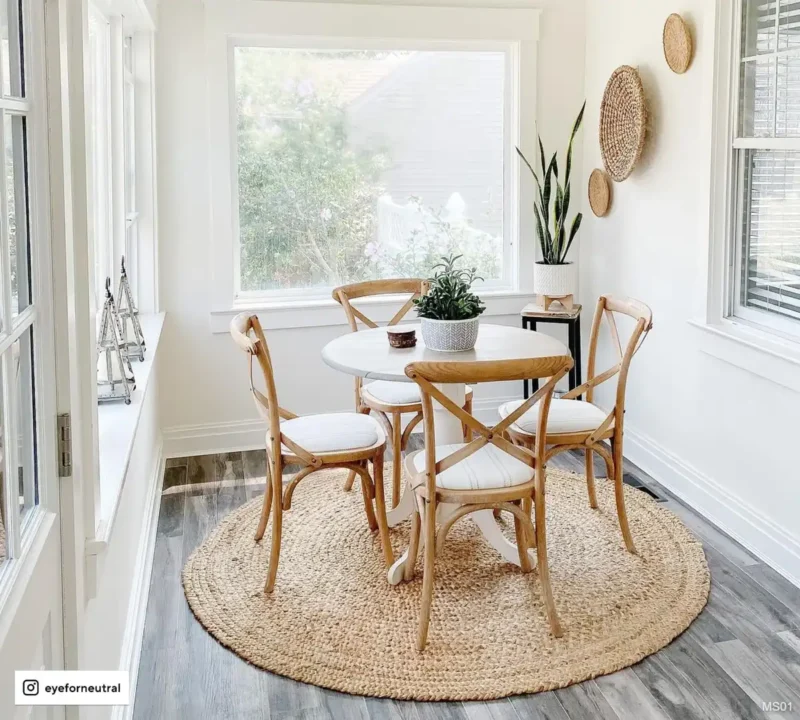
x=517, y=499
x=356, y=461
x=365, y=404
x=611, y=428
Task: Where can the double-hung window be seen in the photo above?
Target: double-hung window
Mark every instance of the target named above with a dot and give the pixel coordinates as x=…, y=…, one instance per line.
x=111, y=113
x=765, y=261
x=98, y=109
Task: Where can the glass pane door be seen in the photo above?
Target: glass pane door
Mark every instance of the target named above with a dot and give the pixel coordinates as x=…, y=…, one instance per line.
x=19, y=313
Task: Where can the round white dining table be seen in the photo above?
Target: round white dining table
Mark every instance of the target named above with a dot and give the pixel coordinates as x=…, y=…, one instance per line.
x=367, y=354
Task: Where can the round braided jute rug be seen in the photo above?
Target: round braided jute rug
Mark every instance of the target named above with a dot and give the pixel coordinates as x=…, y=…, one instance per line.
x=333, y=620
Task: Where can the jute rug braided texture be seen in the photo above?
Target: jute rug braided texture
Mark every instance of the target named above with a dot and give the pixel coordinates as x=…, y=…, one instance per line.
x=334, y=621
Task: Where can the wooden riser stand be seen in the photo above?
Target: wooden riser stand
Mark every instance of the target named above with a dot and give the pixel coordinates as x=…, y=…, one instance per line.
x=545, y=301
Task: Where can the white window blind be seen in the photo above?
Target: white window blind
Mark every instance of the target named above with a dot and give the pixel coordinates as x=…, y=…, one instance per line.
x=767, y=277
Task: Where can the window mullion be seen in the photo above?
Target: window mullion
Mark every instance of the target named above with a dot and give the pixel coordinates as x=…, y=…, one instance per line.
x=741, y=228
x=10, y=472
x=117, y=143
x=5, y=255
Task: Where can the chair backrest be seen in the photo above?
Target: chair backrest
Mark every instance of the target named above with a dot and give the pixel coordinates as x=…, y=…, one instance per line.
x=247, y=333
x=425, y=374
x=415, y=287
x=607, y=307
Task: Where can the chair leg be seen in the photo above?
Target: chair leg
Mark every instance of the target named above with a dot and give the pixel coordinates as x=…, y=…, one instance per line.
x=397, y=457
x=427, y=578
x=590, y=478
x=527, y=508
x=275, y=551
x=348, y=485
x=265, y=508
x=619, y=495
x=466, y=429
x=413, y=545
x=541, y=554
x=367, y=495
x=380, y=502
x=522, y=544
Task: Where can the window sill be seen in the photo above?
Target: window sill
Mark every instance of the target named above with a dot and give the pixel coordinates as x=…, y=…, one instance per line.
x=751, y=349
x=325, y=313
x=117, y=425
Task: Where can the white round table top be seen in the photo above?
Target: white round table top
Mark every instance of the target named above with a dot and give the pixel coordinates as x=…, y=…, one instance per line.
x=367, y=353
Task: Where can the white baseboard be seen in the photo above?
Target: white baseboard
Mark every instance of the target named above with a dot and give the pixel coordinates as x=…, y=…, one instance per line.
x=485, y=409
x=212, y=438
x=137, y=610
x=773, y=544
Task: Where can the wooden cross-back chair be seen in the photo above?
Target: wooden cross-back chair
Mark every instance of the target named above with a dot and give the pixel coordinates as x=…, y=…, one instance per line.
x=584, y=426
x=315, y=442
x=486, y=473
x=388, y=400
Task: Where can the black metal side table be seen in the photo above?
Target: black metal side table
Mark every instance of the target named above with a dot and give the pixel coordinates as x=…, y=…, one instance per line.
x=533, y=314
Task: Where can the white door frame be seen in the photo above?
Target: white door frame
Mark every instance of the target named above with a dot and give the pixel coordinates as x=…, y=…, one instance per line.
x=67, y=29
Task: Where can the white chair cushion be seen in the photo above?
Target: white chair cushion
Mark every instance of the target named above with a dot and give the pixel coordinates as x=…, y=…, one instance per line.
x=332, y=432
x=488, y=468
x=565, y=416
x=394, y=393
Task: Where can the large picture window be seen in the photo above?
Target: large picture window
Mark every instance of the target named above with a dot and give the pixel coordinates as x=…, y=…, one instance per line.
x=364, y=163
x=766, y=282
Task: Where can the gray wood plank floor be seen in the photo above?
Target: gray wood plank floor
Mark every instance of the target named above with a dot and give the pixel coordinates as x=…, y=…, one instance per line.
x=741, y=652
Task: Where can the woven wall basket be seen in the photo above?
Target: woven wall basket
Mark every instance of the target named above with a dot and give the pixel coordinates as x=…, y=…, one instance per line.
x=599, y=193
x=623, y=120
x=678, y=46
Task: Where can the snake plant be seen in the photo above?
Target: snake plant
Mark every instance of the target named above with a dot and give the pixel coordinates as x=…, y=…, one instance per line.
x=552, y=229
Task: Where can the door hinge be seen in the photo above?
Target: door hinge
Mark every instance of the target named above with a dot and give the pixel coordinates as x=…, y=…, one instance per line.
x=64, y=445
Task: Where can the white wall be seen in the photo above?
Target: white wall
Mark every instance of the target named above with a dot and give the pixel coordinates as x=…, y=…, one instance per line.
x=206, y=392
x=721, y=437
x=113, y=621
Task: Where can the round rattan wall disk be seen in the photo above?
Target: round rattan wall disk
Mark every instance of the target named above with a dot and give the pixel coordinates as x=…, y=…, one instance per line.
x=678, y=46
x=333, y=620
x=623, y=120
x=599, y=193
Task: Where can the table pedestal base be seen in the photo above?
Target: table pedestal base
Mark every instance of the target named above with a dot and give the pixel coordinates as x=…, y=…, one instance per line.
x=485, y=521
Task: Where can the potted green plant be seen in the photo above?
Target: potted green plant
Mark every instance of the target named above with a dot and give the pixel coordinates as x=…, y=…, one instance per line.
x=449, y=311
x=553, y=275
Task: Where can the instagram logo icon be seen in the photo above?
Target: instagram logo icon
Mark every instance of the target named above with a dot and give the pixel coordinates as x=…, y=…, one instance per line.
x=30, y=687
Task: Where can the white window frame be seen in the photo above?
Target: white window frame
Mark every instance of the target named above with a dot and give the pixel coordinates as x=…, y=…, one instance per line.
x=739, y=145
x=278, y=24
x=111, y=434
x=746, y=340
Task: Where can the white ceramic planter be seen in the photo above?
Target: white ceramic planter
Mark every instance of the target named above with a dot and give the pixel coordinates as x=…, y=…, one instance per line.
x=554, y=281
x=449, y=335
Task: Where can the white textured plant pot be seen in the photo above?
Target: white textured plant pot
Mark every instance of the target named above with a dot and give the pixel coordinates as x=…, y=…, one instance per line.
x=449, y=335
x=554, y=281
